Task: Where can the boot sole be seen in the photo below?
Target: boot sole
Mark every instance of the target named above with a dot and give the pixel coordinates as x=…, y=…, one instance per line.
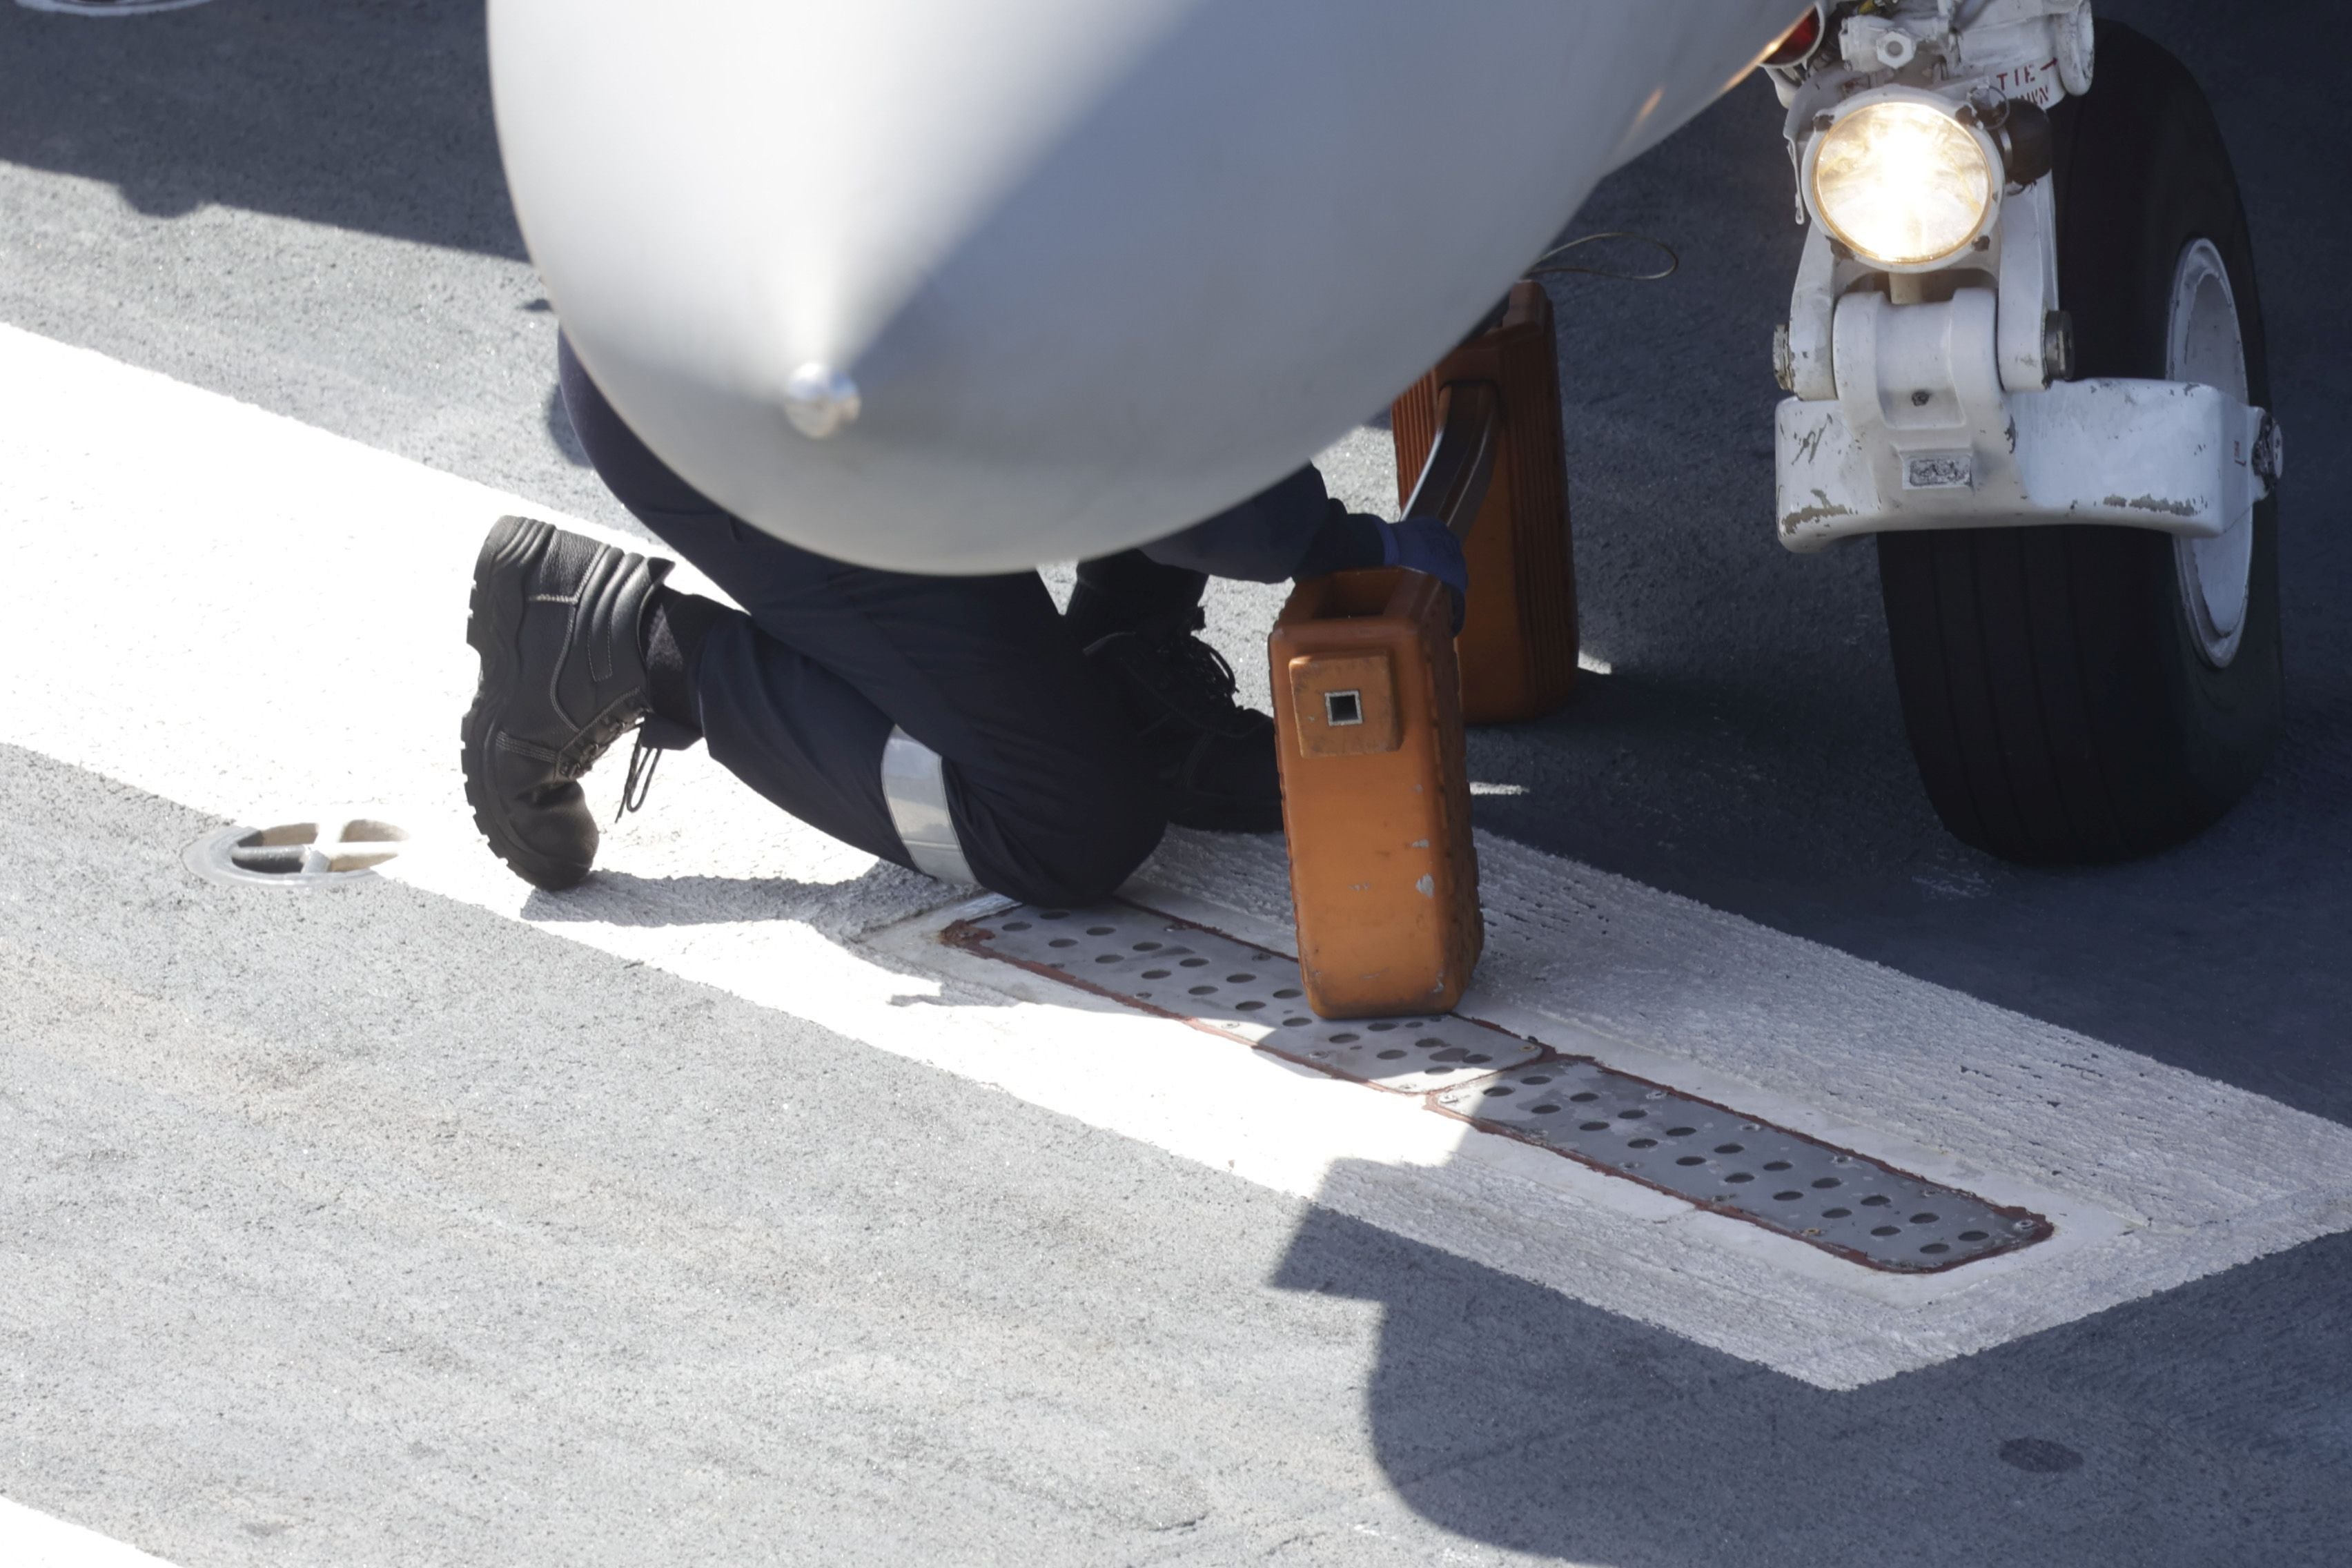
x=493, y=618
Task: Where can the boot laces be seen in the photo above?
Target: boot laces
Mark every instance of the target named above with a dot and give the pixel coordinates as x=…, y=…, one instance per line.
x=643, y=760
x=1191, y=677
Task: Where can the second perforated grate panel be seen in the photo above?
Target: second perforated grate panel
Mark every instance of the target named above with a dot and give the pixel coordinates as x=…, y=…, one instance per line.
x=1710, y=1155
x=1835, y=1198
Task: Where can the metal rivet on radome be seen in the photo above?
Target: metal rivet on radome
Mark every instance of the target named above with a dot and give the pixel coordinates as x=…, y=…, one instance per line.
x=336, y=849
x=821, y=401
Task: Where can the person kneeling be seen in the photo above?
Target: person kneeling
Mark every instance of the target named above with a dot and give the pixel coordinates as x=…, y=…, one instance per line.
x=959, y=726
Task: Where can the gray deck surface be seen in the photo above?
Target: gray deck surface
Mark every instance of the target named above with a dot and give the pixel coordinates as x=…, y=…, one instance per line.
x=342, y=1231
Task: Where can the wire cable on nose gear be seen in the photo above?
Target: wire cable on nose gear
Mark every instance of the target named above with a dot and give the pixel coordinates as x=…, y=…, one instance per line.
x=1543, y=266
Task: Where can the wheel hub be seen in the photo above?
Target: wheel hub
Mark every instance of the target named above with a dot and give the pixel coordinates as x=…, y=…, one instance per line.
x=2204, y=345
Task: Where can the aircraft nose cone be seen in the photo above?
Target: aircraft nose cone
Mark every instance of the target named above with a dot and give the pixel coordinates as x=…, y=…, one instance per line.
x=943, y=287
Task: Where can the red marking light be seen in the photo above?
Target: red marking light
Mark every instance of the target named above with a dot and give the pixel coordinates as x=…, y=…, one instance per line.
x=1799, y=42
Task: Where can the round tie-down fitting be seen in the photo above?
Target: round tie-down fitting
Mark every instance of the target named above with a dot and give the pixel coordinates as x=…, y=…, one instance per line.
x=296, y=854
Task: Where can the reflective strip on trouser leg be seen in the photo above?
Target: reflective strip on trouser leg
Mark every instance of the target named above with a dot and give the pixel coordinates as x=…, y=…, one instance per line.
x=915, y=785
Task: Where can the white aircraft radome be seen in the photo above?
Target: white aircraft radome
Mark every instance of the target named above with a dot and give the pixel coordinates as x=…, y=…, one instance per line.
x=946, y=287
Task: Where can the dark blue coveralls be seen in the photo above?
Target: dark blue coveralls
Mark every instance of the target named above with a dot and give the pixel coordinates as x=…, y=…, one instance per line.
x=834, y=676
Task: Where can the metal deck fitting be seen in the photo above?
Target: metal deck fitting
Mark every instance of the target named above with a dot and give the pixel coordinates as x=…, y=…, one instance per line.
x=296, y=854
x=1710, y=1155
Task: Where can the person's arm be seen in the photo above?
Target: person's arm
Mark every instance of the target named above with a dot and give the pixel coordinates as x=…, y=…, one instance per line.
x=1294, y=529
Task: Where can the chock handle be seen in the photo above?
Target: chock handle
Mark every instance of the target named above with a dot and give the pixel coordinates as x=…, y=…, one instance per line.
x=1461, y=463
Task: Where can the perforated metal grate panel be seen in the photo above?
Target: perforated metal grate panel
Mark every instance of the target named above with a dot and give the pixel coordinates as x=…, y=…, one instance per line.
x=1833, y=1198
x=1204, y=977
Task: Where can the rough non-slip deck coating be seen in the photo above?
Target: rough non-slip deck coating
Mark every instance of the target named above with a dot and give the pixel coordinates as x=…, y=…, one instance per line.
x=1710, y=1155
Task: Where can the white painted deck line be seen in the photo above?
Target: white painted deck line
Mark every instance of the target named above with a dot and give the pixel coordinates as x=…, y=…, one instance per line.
x=285, y=609
x=30, y=1539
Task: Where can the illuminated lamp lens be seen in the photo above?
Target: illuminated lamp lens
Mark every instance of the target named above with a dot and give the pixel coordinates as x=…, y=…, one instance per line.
x=1902, y=183
x=1798, y=41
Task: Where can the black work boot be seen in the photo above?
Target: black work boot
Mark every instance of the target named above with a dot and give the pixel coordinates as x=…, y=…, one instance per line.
x=1214, y=758
x=556, y=618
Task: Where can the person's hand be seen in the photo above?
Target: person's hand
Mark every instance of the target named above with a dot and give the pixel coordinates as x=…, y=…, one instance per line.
x=1424, y=545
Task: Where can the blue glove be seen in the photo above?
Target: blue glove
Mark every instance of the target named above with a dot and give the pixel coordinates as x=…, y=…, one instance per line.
x=1423, y=545
x=1347, y=541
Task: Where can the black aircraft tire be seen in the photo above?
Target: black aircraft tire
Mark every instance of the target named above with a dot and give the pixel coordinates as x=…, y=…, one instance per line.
x=2060, y=702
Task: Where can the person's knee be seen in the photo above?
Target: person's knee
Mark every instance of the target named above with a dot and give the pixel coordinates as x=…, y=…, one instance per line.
x=1070, y=859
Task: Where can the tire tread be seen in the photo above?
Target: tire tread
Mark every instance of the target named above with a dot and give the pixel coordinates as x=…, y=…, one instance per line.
x=2055, y=703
